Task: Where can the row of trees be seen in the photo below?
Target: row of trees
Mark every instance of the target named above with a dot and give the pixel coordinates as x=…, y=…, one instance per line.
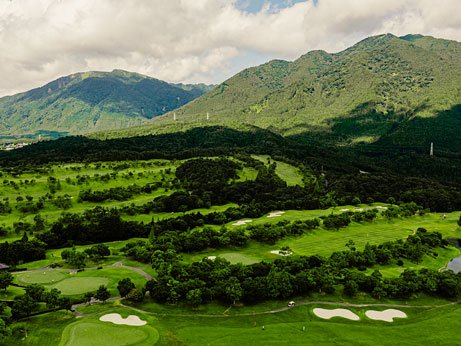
x=218, y=279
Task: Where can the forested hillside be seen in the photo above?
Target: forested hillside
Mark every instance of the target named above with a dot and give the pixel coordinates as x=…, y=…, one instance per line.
x=384, y=91
x=91, y=101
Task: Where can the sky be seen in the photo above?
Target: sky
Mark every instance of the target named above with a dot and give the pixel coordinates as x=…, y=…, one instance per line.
x=194, y=41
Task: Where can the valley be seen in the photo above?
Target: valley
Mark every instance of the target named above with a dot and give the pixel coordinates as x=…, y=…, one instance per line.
x=139, y=208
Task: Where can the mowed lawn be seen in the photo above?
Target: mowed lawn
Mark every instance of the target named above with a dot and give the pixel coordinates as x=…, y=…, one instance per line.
x=82, y=282
x=422, y=326
x=287, y=172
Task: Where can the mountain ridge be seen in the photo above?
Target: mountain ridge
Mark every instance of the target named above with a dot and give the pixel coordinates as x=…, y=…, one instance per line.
x=90, y=101
x=379, y=84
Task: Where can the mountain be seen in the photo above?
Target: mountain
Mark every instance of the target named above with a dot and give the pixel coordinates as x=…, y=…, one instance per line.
x=91, y=101
x=383, y=90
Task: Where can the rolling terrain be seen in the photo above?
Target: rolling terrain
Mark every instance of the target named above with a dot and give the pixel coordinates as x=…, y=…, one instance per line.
x=384, y=92
x=91, y=101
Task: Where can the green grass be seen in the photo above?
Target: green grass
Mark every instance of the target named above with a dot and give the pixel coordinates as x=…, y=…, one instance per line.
x=287, y=172
x=42, y=277
x=92, y=332
x=79, y=285
x=235, y=258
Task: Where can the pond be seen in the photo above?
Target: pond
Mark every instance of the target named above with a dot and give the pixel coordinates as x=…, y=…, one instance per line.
x=454, y=264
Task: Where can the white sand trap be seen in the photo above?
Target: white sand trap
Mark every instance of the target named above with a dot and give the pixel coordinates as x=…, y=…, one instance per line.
x=344, y=210
x=131, y=320
x=380, y=207
x=239, y=223
x=360, y=209
x=211, y=257
x=386, y=315
x=327, y=314
x=276, y=214
x=282, y=253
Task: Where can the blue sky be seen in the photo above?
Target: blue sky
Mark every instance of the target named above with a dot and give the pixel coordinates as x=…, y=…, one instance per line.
x=254, y=6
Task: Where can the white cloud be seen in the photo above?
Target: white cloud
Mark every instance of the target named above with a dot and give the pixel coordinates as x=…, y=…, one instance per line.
x=192, y=40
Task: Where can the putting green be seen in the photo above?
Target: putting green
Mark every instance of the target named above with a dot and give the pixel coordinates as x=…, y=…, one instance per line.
x=98, y=334
x=42, y=277
x=80, y=285
x=234, y=258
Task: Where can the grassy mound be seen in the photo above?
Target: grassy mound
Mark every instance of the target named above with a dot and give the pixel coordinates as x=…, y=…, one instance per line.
x=42, y=277
x=80, y=285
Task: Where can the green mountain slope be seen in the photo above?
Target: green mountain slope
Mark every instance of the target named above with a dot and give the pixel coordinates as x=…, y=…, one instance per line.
x=91, y=101
x=384, y=87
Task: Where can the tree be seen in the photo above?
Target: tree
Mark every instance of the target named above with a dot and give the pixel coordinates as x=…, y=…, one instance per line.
x=136, y=295
x=351, y=288
x=5, y=331
x=102, y=293
x=65, y=303
x=88, y=296
x=356, y=201
x=194, y=297
x=51, y=298
x=35, y=291
x=23, y=306
x=233, y=289
x=125, y=286
x=6, y=278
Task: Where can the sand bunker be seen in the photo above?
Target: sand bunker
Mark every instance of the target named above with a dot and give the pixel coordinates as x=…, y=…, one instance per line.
x=344, y=210
x=282, y=253
x=131, y=320
x=380, y=207
x=211, y=257
x=359, y=209
x=275, y=214
x=239, y=223
x=327, y=314
x=386, y=315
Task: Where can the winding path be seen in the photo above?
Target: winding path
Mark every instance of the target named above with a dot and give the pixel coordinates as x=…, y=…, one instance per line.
x=260, y=312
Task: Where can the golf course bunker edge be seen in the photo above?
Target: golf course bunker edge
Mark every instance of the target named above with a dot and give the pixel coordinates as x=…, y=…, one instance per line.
x=327, y=314
x=386, y=315
x=115, y=318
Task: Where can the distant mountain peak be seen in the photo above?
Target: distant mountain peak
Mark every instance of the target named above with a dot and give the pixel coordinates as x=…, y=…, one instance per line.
x=91, y=101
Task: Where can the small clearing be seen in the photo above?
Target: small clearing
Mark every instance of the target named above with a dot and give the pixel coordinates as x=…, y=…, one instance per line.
x=131, y=320
x=386, y=315
x=243, y=222
x=327, y=314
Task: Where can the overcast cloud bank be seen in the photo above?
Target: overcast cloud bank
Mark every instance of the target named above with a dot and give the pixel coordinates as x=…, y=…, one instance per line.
x=192, y=41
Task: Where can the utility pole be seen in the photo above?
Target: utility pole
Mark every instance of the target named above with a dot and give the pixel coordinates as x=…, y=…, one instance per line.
x=432, y=149
x=207, y=116
x=174, y=115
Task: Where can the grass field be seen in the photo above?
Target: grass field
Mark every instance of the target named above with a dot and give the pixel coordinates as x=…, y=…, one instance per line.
x=80, y=285
x=285, y=171
x=42, y=277
x=422, y=326
x=82, y=282
x=91, y=331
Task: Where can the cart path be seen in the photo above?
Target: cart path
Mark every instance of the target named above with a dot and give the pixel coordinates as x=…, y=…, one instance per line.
x=260, y=312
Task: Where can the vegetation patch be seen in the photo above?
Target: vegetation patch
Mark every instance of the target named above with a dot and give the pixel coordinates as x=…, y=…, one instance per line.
x=80, y=285
x=234, y=257
x=42, y=277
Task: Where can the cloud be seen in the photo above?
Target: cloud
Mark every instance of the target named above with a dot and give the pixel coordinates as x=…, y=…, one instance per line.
x=192, y=41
